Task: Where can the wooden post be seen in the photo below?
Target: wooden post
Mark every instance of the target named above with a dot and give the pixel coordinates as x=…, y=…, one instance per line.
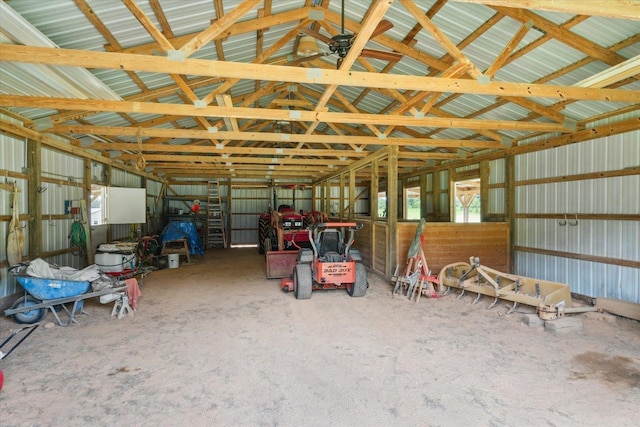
x=352, y=193
x=34, y=163
x=341, y=192
x=375, y=188
x=484, y=190
x=423, y=195
x=327, y=197
x=392, y=210
x=510, y=209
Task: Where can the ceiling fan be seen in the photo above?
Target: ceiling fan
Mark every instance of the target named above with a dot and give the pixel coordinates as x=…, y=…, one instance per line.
x=341, y=43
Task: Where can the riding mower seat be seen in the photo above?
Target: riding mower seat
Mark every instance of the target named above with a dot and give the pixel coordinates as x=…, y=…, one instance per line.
x=333, y=257
x=329, y=241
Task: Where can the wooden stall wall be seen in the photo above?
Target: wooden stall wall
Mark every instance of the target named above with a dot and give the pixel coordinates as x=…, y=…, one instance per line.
x=446, y=243
x=379, y=244
x=363, y=242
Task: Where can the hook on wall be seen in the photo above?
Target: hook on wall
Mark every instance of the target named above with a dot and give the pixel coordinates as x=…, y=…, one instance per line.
x=574, y=222
x=563, y=222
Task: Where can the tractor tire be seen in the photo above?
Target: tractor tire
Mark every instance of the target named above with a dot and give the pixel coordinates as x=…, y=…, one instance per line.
x=264, y=225
x=267, y=245
x=302, y=281
x=31, y=316
x=359, y=288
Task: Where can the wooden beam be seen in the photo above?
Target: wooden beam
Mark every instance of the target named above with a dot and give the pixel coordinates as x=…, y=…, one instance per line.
x=218, y=27
x=563, y=35
x=440, y=37
x=253, y=71
x=270, y=114
x=13, y=129
x=268, y=137
x=623, y=9
x=237, y=28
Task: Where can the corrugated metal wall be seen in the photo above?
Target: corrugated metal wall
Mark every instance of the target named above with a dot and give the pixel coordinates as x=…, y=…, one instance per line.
x=247, y=203
x=616, y=239
x=62, y=177
x=69, y=171
x=444, y=191
x=12, y=160
x=497, y=176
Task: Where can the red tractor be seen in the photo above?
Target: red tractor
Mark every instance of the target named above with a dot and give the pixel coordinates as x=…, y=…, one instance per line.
x=331, y=263
x=281, y=230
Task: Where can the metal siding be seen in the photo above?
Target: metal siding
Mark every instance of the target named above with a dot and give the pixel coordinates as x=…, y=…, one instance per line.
x=12, y=159
x=246, y=205
x=496, y=201
x=583, y=277
x=614, y=239
x=497, y=171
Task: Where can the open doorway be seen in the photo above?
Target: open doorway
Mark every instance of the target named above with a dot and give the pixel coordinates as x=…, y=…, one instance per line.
x=467, y=200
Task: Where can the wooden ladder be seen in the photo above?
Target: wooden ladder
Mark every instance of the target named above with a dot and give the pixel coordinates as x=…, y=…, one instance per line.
x=216, y=235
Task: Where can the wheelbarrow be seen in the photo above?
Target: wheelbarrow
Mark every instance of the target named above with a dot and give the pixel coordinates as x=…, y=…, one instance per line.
x=42, y=294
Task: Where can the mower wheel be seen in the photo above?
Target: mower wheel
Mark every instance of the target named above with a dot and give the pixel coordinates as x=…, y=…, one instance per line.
x=302, y=281
x=30, y=316
x=355, y=255
x=359, y=288
x=305, y=256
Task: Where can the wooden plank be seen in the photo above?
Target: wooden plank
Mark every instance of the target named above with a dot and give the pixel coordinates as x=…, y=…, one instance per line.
x=619, y=307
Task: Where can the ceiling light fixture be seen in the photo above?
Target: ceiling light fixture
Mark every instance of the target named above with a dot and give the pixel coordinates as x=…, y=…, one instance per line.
x=307, y=46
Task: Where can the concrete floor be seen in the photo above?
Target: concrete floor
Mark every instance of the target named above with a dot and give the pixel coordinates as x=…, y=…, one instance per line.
x=215, y=343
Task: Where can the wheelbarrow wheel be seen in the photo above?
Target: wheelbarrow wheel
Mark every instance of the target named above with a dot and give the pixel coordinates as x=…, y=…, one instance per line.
x=28, y=316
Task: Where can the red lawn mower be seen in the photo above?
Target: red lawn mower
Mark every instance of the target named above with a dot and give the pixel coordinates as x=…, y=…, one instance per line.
x=331, y=263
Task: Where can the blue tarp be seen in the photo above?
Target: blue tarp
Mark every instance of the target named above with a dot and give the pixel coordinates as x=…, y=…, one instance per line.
x=177, y=230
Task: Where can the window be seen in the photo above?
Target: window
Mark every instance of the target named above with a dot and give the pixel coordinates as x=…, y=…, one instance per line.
x=98, y=209
x=412, y=203
x=382, y=204
x=467, y=200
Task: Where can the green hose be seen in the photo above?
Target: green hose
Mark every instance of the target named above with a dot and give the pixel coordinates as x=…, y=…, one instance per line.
x=77, y=238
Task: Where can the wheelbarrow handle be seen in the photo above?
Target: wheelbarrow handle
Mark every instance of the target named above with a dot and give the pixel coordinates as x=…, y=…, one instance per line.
x=13, y=334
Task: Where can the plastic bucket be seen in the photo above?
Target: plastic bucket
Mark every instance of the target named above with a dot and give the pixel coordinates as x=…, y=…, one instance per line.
x=174, y=260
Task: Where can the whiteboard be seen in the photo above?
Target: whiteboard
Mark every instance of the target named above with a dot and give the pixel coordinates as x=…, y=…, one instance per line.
x=126, y=205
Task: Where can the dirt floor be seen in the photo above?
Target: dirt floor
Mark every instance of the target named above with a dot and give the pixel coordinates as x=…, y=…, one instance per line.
x=215, y=343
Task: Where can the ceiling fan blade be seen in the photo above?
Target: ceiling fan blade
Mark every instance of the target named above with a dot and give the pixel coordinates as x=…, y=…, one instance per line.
x=382, y=55
x=383, y=26
x=317, y=35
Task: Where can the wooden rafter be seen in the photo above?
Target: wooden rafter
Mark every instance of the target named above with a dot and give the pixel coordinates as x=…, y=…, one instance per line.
x=328, y=117
x=51, y=56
